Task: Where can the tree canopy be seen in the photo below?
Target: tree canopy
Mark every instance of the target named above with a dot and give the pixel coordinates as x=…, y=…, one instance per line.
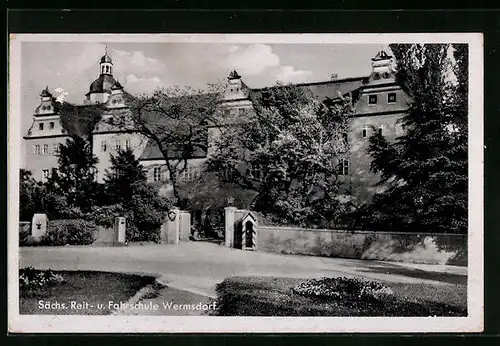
x=426, y=169
x=175, y=120
x=287, y=149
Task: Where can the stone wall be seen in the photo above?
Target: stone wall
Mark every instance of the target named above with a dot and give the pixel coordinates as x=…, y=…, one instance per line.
x=387, y=246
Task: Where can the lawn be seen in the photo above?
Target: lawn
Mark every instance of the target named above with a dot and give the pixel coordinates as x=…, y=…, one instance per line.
x=82, y=293
x=271, y=296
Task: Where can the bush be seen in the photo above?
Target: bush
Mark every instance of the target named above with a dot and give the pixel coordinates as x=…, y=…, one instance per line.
x=343, y=288
x=24, y=233
x=32, y=280
x=69, y=232
x=105, y=215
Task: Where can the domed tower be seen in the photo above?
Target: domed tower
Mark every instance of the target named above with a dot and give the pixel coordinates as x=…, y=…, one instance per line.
x=100, y=89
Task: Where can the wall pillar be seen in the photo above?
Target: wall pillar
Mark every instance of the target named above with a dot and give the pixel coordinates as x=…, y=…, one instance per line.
x=184, y=225
x=39, y=225
x=229, y=226
x=170, y=228
x=119, y=230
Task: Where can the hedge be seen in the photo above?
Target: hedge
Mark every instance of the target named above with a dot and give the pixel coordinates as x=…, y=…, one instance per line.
x=69, y=232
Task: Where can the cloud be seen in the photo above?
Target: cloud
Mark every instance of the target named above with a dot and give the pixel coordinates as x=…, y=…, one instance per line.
x=84, y=57
x=135, y=61
x=142, y=85
x=287, y=74
x=250, y=60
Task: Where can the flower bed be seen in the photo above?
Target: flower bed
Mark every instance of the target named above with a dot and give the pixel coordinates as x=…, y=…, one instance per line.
x=342, y=288
x=32, y=280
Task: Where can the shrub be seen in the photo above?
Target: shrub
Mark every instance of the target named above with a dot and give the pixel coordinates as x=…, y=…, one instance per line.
x=69, y=232
x=33, y=280
x=24, y=233
x=105, y=215
x=343, y=288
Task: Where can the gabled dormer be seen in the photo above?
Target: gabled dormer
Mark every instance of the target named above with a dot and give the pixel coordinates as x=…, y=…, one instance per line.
x=46, y=119
x=47, y=103
x=116, y=99
x=382, y=69
x=235, y=88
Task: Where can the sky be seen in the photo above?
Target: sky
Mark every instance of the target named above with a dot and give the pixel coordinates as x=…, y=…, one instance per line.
x=142, y=67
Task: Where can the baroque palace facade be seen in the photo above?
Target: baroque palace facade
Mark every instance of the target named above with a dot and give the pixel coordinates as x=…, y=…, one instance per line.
x=378, y=101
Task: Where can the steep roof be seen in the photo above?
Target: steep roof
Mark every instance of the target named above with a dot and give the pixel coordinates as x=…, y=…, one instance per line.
x=331, y=89
x=102, y=84
x=152, y=152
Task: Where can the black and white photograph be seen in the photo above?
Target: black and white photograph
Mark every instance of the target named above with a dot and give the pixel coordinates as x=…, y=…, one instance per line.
x=245, y=183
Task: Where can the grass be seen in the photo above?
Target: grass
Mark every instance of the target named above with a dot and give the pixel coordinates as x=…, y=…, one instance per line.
x=96, y=289
x=271, y=296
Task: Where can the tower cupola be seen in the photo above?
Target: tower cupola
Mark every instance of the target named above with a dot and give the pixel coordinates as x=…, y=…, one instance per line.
x=106, y=64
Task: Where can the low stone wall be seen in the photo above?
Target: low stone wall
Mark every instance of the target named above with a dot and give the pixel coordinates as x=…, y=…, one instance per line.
x=388, y=246
x=104, y=235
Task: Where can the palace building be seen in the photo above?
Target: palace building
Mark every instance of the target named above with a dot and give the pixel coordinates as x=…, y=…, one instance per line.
x=378, y=102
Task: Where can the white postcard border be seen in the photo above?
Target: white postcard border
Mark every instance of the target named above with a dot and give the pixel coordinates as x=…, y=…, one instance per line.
x=206, y=324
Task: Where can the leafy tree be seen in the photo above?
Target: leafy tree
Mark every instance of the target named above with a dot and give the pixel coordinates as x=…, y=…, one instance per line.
x=130, y=195
x=74, y=178
x=176, y=121
x=29, y=195
x=287, y=150
x=425, y=170
x=124, y=175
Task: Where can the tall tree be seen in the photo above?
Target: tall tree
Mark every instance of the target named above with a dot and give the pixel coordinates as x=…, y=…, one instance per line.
x=175, y=120
x=75, y=175
x=123, y=177
x=425, y=170
x=287, y=149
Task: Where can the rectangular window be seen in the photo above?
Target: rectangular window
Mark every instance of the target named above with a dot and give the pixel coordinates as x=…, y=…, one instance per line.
x=364, y=131
x=51, y=125
x=55, y=148
x=156, y=173
x=372, y=99
x=391, y=98
x=118, y=145
x=45, y=175
x=128, y=144
x=343, y=168
x=104, y=145
x=36, y=149
x=45, y=149
x=40, y=126
x=381, y=129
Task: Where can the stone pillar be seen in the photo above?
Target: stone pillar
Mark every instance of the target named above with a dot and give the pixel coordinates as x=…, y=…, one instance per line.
x=119, y=230
x=184, y=225
x=229, y=226
x=170, y=228
x=39, y=225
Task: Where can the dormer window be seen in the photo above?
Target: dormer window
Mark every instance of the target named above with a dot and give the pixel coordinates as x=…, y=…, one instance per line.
x=391, y=98
x=372, y=99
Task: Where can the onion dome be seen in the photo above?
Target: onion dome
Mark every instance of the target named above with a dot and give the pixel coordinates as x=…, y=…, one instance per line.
x=102, y=84
x=106, y=59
